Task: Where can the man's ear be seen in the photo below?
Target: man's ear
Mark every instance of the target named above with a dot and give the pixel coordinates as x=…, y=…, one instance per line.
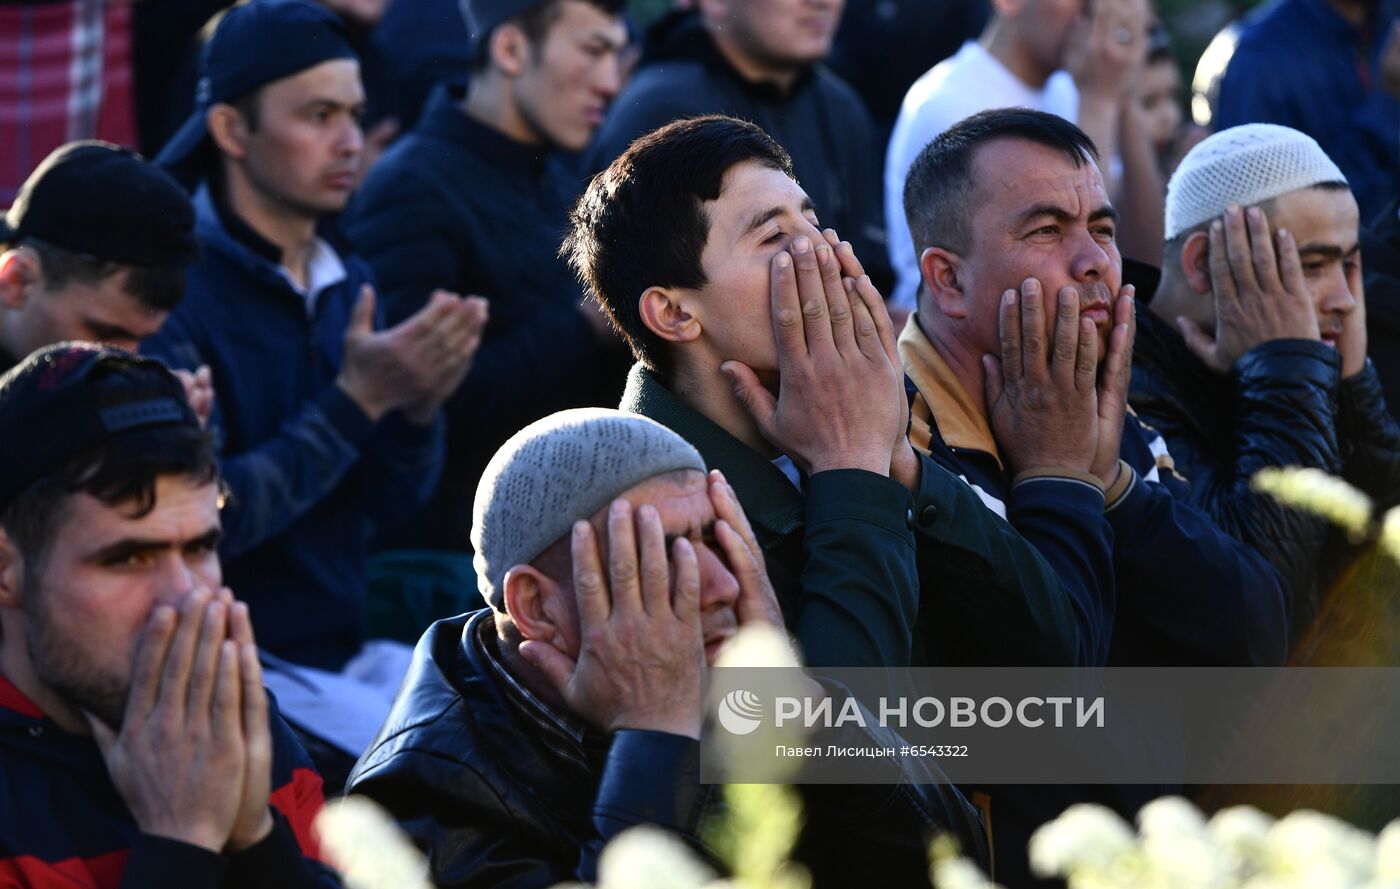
x=11, y=572
x=942, y=274
x=20, y=274
x=509, y=48
x=533, y=601
x=1195, y=261
x=228, y=129
x=665, y=313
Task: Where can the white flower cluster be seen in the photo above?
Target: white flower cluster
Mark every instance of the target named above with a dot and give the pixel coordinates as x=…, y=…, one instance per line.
x=1314, y=491
x=367, y=847
x=1175, y=847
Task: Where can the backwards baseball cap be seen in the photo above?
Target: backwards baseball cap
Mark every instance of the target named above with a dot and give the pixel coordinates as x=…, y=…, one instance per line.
x=556, y=471
x=255, y=44
x=69, y=397
x=483, y=16
x=1244, y=165
x=107, y=202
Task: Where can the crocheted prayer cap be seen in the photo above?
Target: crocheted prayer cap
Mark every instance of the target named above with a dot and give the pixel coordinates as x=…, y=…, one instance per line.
x=1244, y=165
x=556, y=471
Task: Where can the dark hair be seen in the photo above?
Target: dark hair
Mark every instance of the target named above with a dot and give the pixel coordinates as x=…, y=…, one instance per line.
x=157, y=287
x=535, y=22
x=940, y=194
x=642, y=223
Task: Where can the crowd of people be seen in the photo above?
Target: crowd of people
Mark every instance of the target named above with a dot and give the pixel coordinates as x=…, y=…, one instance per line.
x=472, y=421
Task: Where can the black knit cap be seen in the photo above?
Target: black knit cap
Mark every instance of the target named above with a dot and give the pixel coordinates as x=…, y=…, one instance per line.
x=66, y=398
x=255, y=44
x=484, y=15
x=107, y=202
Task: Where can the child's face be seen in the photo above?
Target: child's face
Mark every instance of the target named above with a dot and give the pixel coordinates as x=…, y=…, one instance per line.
x=1157, y=97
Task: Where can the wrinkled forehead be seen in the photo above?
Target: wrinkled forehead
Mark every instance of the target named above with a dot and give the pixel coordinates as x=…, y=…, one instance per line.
x=1013, y=175
x=681, y=498
x=1318, y=215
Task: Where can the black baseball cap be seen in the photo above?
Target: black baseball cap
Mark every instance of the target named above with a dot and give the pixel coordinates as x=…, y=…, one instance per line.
x=69, y=397
x=107, y=202
x=255, y=44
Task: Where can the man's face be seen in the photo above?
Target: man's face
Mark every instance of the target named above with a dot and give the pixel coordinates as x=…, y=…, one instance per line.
x=1157, y=98
x=759, y=212
x=1324, y=223
x=84, y=607
x=304, y=153
x=1037, y=215
x=573, y=75
x=102, y=312
x=783, y=33
x=682, y=501
x=1044, y=26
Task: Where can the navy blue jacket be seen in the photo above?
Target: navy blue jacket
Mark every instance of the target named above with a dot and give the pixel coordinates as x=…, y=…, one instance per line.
x=1300, y=64
x=63, y=824
x=309, y=475
x=457, y=205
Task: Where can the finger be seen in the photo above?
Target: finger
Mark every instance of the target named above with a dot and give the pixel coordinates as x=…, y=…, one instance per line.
x=591, y=591
x=867, y=335
x=240, y=624
x=787, y=311
x=204, y=376
x=889, y=337
x=747, y=570
x=1222, y=282
x=206, y=664
x=1237, y=251
x=553, y=663
x=727, y=507
x=1086, y=361
x=175, y=678
x=1261, y=248
x=1118, y=367
x=1201, y=344
x=845, y=254
x=1290, y=264
x=622, y=558
x=1010, y=337
x=226, y=713
x=811, y=295
x=1034, y=360
x=757, y=400
x=102, y=733
x=686, y=598
x=992, y=383
x=655, y=572
x=256, y=729
x=149, y=660
x=838, y=300
x=362, y=317
x=1064, y=365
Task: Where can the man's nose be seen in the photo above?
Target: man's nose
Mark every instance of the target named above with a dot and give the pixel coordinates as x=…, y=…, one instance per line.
x=1091, y=259
x=719, y=588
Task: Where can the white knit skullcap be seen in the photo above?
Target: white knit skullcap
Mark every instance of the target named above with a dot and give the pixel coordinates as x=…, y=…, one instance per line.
x=1243, y=165
x=556, y=471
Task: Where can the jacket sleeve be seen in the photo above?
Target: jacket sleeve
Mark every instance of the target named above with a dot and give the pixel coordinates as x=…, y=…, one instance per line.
x=1020, y=606
x=1063, y=518
x=860, y=583
x=1370, y=438
x=403, y=461
x=1189, y=582
x=273, y=484
x=1283, y=407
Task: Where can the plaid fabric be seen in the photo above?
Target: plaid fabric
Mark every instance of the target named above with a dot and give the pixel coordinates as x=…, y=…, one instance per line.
x=65, y=74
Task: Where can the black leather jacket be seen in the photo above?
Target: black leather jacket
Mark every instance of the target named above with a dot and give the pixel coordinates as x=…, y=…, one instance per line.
x=1284, y=403
x=506, y=792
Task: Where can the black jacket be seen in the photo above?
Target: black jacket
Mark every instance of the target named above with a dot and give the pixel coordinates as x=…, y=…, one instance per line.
x=821, y=122
x=1284, y=403
x=508, y=793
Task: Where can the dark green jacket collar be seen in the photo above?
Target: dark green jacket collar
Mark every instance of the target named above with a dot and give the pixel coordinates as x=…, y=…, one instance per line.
x=773, y=505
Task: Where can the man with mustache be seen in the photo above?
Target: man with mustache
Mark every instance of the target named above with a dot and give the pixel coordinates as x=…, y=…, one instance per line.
x=1019, y=364
x=1253, y=350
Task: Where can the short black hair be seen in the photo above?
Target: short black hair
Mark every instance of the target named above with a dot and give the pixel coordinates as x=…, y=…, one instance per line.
x=156, y=287
x=940, y=194
x=642, y=223
x=123, y=469
x=535, y=22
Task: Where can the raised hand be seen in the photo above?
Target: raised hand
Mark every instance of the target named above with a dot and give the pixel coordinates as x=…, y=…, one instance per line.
x=179, y=759
x=418, y=363
x=1260, y=294
x=757, y=602
x=1042, y=403
x=1106, y=46
x=836, y=406
x=1115, y=378
x=641, y=658
x=254, y=815
x=199, y=390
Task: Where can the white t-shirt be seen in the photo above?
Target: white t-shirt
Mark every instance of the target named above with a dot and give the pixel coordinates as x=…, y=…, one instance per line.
x=955, y=88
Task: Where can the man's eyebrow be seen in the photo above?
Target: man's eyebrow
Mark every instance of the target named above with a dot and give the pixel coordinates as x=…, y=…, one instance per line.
x=135, y=546
x=1327, y=251
x=1107, y=211
x=763, y=216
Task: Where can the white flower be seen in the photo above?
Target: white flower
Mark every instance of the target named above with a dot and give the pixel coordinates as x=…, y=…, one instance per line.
x=959, y=873
x=1085, y=837
x=1170, y=815
x=1239, y=834
x=1320, y=849
x=368, y=848
x=757, y=645
x=1388, y=853
x=646, y=858
x=1390, y=532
